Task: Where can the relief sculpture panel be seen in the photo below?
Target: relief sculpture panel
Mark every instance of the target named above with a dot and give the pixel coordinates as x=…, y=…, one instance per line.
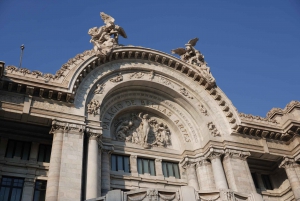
x=143, y=129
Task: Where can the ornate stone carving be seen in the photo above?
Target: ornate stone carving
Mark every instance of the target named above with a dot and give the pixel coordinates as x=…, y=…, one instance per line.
x=258, y=118
x=283, y=111
x=101, y=37
x=151, y=75
x=11, y=68
x=48, y=76
x=93, y=106
x=287, y=163
x=118, y=78
x=24, y=71
x=213, y=129
x=152, y=194
x=137, y=75
x=185, y=92
x=214, y=153
x=142, y=130
x=237, y=154
x=203, y=110
x=65, y=126
x=37, y=73
x=99, y=89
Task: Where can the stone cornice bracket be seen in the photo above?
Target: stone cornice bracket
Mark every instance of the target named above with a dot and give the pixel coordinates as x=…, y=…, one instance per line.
x=214, y=153
x=107, y=148
x=57, y=126
x=287, y=163
x=187, y=162
x=237, y=154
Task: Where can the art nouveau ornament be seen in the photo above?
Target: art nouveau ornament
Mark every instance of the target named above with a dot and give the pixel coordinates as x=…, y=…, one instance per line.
x=143, y=130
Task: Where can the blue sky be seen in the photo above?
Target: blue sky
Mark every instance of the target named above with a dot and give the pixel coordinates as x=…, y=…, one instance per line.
x=252, y=47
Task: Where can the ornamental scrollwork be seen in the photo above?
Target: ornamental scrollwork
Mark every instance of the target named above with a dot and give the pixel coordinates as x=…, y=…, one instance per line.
x=185, y=92
x=118, y=78
x=99, y=89
x=143, y=130
x=213, y=129
x=203, y=110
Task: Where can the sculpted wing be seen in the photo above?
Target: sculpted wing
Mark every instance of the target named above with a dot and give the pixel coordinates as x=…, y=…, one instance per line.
x=193, y=41
x=180, y=51
x=121, y=31
x=107, y=18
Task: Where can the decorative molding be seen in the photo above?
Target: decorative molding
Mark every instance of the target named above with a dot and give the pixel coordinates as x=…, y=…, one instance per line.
x=287, y=163
x=185, y=92
x=116, y=79
x=214, y=154
x=213, y=129
x=251, y=117
x=136, y=75
x=99, y=89
x=93, y=107
x=231, y=153
x=203, y=110
x=286, y=109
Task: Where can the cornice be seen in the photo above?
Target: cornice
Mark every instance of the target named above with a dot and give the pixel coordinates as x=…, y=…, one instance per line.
x=289, y=107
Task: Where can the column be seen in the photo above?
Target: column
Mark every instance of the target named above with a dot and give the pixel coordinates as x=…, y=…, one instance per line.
x=133, y=165
x=3, y=146
x=54, y=168
x=28, y=189
x=92, y=163
x=237, y=171
x=158, y=168
x=191, y=175
x=107, y=149
x=34, y=152
x=70, y=178
x=205, y=175
x=219, y=175
x=288, y=165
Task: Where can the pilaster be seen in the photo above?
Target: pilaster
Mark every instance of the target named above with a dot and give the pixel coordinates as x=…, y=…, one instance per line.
x=107, y=149
x=237, y=171
x=28, y=189
x=190, y=169
x=133, y=165
x=290, y=167
x=214, y=155
x=205, y=175
x=158, y=167
x=94, y=148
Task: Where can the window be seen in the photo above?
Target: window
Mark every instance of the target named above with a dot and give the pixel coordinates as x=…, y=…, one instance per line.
x=11, y=189
x=146, y=166
x=267, y=182
x=40, y=190
x=119, y=162
x=170, y=169
x=255, y=180
x=44, y=153
x=18, y=149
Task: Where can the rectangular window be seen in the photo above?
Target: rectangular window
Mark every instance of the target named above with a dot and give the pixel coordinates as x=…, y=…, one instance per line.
x=44, y=153
x=267, y=182
x=254, y=180
x=119, y=162
x=11, y=188
x=40, y=190
x=18, y=149
x=170, y=169
x=146, y=166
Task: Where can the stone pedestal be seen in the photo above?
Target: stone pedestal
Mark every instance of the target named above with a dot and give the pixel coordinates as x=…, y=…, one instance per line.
x=219, y=175
x=105, y=172
x=237, y=171
x=205, y=175
x=289, y=165
x=92, y=164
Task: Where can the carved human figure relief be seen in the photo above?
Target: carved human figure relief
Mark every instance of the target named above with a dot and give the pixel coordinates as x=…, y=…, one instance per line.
x=185, y=92
x=99, y=89
x=213, y=129
x=203, y=110
x=93, y=106
x=118, y=78
x=143, y=130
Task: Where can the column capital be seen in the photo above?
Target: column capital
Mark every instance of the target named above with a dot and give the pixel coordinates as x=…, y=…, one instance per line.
x=287, y=163
x=95, y=134
x=232, y=153
x=202, y=162
x=214, y=153
x=66, y=127
x=187, y=162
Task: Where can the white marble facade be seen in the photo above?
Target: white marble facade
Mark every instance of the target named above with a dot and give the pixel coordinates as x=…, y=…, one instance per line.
x=149, y=106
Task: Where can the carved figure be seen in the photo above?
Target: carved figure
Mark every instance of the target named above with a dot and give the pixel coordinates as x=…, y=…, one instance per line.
x=119, y=78
x=93, y=106
x=184, y=92
x=189, y=54
x=102, y=36
x=99, y=89
x=146, y=128
x=213, y=130
x=203, y=110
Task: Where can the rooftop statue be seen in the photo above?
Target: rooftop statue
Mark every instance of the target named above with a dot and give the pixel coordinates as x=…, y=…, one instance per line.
x=192, y=56
x=106, y=37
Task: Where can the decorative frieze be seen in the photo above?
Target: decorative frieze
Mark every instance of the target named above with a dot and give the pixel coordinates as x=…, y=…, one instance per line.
x=118, y=78
x=251, y=117
x=66, y=127
x=231, y=153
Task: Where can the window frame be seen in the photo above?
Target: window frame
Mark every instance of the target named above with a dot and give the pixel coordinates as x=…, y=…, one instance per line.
x=267, y=182
x=47, y=147
x=149, y=166
x=12, y=187
x=38, y=189
x=15, y=147
x=173, y=169
x=123, y=163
